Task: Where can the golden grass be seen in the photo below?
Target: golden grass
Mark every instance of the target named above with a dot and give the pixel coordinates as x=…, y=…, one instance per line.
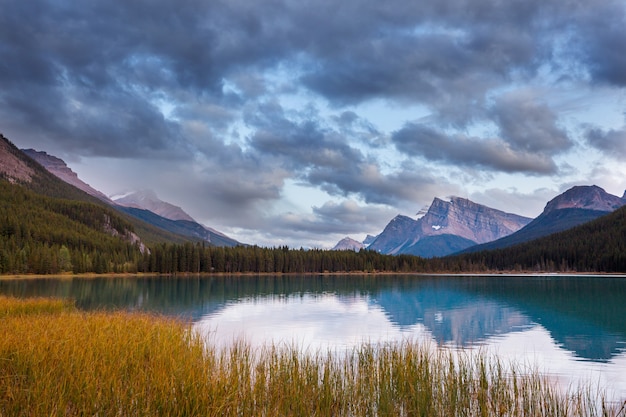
x=57, y=361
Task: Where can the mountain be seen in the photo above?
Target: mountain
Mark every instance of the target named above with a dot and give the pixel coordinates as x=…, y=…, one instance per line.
x=18, y=168
x=590, y=197
x=146, y=206
x=155, y=220
x=348, y=243
x=48, y=226
x=190, y=229
x=369, y=239
x=148, y=200
x=576, y=206
x=445, y=228
x=59, y=168
x=13, y=168
x=595, y=246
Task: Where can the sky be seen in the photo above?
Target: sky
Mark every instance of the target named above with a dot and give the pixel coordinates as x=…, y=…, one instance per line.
x=297, y=123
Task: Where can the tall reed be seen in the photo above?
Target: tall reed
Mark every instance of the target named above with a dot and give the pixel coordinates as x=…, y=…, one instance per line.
x=63, y=362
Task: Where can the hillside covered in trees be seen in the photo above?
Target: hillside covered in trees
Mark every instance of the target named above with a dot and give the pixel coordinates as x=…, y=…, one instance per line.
x=45, y=235
x=597, y=246
x=49, y=227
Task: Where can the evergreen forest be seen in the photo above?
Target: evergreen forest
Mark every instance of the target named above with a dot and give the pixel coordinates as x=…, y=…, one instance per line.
x=46, y=235
x=50, y=227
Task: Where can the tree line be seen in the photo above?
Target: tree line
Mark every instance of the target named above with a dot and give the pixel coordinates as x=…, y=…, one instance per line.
x=44, y=235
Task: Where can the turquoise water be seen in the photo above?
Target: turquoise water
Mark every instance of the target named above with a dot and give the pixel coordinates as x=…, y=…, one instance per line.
x=572, y=327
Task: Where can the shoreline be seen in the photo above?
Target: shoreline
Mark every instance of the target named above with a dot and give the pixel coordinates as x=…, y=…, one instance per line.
x=292, y=274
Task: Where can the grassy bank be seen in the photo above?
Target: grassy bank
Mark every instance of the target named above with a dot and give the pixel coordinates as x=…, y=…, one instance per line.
x=57, y=361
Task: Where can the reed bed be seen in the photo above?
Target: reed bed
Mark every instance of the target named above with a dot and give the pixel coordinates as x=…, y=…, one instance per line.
x=57, y=361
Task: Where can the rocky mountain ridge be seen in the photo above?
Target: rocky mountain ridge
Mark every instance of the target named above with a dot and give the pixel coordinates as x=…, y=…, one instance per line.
x=143, y=205
x=59, y=168
x=446, y=227
x=576, y=206
x=11, y=166
x=148, y=200
x=347, y=243
x=464, y=218
x=589, y=197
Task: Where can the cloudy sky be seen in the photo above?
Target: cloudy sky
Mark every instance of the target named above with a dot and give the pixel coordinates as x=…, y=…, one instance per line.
x=294, y=122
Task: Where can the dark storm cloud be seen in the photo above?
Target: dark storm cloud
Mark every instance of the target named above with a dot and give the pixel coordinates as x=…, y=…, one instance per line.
x=612, y=142
x=442, y=71
x=118, y=56
x=529, y=138
x=111, y=124
x=599, y=41
x=322, y=156
x=529, y=126
x=332, y=218
x=446, y=55
x=85, y=76
x=299, y=144
x=491, y=153
x=206, y=83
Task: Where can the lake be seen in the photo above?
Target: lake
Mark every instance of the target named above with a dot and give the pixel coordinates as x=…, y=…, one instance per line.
x=571, y=327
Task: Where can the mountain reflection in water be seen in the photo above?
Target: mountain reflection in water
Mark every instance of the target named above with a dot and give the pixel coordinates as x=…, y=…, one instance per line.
x=583, y=315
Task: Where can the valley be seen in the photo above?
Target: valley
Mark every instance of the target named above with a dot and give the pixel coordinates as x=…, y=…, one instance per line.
x=46, y=230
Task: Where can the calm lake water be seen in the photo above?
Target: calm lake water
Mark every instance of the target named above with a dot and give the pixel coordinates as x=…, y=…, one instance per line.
x=571, y=327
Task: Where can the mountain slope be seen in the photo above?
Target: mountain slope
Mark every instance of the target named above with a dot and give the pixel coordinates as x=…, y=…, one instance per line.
x=190, y=229
x=447, y=227
x=145, y=205
x=574, y=207
x=348, y=243
x=18, y=168
x=432, y=246
x=13, y=168
x=45, y=235
x=59, y=168
x=596, y=246
x=152, y=228
x=148, y=200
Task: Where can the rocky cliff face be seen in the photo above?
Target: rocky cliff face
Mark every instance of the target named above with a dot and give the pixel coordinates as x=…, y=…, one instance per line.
x=400, y=232
x=464, y=218
x=59, y=168
x=148, y=200
x=11, y=166
x=585, y=197
x=459, y=220
x=576, y=206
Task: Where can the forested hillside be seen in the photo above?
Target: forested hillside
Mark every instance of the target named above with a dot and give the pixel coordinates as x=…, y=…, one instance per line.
x=19, y=169
x=597, y=246
x=45, y=235
x=50, y=227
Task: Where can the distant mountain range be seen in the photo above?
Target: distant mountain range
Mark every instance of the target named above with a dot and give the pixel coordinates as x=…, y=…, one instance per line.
x=143, y=205
x=455, y=225
x=574, y=207
x=460, y=225
x=446, y=227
